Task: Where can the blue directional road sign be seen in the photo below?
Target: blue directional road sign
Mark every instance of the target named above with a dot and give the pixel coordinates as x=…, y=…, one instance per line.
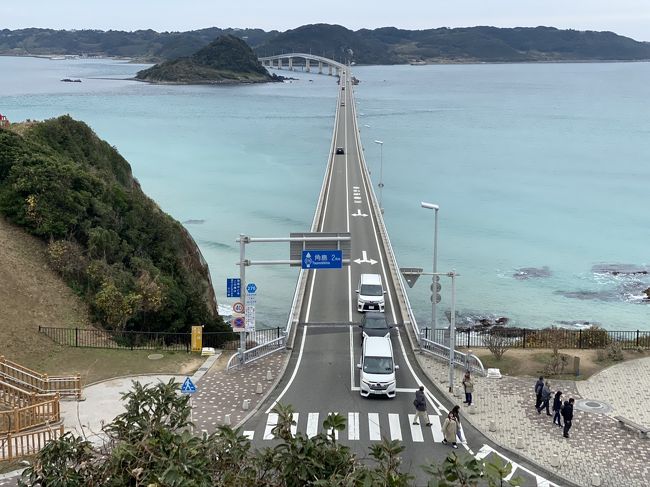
x=233, y=288
x=188, y=386
x=322, y=259
x=251, y=288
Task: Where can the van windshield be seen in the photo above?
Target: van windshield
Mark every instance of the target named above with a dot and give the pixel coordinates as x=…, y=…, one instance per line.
x=371, y=290
x=378, y=365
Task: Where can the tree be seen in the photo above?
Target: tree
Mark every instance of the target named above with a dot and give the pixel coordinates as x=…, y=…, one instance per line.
x=497, y=343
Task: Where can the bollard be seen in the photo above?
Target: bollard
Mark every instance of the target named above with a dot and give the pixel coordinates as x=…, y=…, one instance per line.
x=519, y=443
x=555, y=460
x=472, y=409
x=226, y=419
x=493, y=426
x=269, y=375
x=595, y=479
x=259, y=389
x=246, y=405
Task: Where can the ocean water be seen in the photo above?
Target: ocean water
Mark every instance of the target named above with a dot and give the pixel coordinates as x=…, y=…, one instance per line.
x=541, y=166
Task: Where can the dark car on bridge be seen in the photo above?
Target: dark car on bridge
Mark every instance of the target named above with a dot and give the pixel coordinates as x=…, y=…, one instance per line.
x=374, y=324
x=340, y=150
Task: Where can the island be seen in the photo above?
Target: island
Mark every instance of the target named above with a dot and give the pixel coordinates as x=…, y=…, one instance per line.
x=225, y=60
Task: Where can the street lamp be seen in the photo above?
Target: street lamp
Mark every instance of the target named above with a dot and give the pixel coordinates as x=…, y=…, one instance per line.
x=381, y=172
x=434, y=282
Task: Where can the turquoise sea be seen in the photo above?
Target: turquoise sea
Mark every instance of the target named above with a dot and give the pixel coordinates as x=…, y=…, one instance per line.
x=543, y=166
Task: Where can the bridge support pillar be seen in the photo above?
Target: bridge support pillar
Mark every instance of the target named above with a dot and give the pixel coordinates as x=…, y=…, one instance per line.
x=329, y=68
x=279, y=63
x=338, y=71
x=307, y=66
x=320, y=67
x=290, y=64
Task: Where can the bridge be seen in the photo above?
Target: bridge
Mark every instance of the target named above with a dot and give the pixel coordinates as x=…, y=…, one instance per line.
x=321, y=376
x=333, y=67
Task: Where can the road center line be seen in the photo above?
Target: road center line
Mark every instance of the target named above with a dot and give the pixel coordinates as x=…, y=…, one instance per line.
x=295, y=371
x=351, y=359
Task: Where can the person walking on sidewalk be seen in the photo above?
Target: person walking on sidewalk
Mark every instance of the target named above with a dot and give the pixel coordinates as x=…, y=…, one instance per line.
x=468, y=385
x=546, y=397
x=420, y=404
x=539, y=385
x=567, y=414
x=557, y=406
x=451, y=427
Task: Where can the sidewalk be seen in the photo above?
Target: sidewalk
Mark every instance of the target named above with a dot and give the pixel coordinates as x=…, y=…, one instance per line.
x=596, y=444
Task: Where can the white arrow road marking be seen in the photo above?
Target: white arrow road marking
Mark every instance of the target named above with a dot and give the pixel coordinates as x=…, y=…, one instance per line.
x=365, y=259
x=358, y=213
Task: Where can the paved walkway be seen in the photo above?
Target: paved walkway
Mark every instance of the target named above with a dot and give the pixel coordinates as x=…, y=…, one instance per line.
x=596, y=444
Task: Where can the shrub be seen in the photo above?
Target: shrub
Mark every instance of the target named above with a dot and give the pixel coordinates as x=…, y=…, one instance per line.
x=497, y=343
x=615, y=352
x=594, y=337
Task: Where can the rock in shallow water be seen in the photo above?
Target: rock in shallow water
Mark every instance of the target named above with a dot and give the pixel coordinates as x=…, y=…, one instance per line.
x=531, y=272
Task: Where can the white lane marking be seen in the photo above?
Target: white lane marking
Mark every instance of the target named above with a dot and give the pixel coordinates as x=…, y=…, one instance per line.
x=358, y=213
x=364, y=260
x=351, y=360
x=295, y=371
x=311, y=294
x=373, y=427
x=294, y=427
x=336, y=432
x=271, y=423
x=416, y=430
x=249, y=434
x=483, y=452
x=395, y=430
x=436, y=428
x=350, y=293
x=347, y=214
x=353, y=426
x=437, y=405
x=487, y=449
x=312, y=425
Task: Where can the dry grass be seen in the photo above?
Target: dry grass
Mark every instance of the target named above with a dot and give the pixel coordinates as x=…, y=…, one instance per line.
x=31, y=294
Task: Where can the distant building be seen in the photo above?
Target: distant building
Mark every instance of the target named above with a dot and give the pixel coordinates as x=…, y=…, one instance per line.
x=4, y=121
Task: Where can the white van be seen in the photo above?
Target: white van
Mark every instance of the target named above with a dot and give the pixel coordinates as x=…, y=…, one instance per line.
x=377, y=367
x=371, y=293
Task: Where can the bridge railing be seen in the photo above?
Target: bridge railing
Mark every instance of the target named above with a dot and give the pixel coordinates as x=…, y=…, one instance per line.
x=467, y=361
x=258, y=352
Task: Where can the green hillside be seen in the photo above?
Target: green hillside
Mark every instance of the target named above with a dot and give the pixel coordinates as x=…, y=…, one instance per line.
x=137, y=268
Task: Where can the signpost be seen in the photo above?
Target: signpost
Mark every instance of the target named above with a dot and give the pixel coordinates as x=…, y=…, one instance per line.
x=188, y=387
x=233, y=287
x=238, y=308
x=238, y=324
x=322, y=259
x=197, y=338
x=251, y=300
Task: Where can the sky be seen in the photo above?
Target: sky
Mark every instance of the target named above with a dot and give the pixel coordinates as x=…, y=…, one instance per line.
x=630, y=18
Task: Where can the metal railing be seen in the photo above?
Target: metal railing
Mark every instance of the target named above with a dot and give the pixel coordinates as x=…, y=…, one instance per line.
x=257, y=353
x=32, y=381
x=589, y=338
x=466, y=361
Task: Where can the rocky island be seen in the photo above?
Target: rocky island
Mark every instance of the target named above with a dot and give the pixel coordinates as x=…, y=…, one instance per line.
x=227, y=59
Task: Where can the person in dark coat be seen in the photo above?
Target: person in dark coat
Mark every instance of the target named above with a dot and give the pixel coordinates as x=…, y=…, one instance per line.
x=546, y=397
x=539, y=385
x=557, y=406
x=567, y=414
x=420, y=404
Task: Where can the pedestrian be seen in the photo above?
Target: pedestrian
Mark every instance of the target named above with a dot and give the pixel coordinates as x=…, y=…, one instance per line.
x=546, y=397
x=420, y=404
x=557, y=406
x=539, y=385
x=567, y=414
x=468, y=385
x=451, y=427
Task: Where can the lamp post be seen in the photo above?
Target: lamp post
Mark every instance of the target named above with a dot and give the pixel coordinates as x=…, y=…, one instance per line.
x=434, y=282
x=452, y=331
x=381, y=172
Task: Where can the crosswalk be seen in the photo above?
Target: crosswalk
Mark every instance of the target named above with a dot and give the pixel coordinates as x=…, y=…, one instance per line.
x=360, y=426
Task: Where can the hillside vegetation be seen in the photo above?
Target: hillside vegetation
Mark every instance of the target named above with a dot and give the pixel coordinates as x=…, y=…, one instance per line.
x=386, y=45
x=227, y=59
x=136, y=267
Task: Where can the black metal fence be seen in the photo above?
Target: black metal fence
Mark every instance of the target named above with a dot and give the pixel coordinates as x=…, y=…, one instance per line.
x=149, y=340
x=544, y=338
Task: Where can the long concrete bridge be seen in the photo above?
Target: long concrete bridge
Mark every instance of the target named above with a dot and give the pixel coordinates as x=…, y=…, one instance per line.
x=277, y=61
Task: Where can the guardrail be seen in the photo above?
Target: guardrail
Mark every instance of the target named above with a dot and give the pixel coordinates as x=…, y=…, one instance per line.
x=17, y=445
x=32, y=381
x=38, y=414
x=467, y=361
x=257, y=353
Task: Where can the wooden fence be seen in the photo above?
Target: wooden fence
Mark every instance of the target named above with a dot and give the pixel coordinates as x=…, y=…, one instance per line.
x=33, y=381
x=17, y=445
x=23, y=418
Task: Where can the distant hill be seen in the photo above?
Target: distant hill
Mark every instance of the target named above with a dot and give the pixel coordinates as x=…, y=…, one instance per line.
x=227, y=59
x=386, y=45
x=135, y=266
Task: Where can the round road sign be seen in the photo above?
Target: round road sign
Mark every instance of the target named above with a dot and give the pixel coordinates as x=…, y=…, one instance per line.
x=238, y=307
x=238, y=322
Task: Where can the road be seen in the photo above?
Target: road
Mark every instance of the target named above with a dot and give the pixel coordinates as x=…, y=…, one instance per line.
x=322, y=376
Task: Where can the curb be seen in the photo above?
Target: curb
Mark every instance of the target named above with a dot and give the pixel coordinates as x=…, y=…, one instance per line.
x=517, y=455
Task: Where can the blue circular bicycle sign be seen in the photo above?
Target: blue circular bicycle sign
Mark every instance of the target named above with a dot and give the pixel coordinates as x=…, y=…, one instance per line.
x=251, y=288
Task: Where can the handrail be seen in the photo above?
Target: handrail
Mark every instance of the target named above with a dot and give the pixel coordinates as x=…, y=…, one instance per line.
x=17, y=445
x=14, y=396
x=40, y=383
x=257, y=353
x=469, y=361
x=38, y=414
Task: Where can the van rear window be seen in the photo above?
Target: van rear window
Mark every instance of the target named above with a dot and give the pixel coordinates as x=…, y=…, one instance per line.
x=371, y=290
